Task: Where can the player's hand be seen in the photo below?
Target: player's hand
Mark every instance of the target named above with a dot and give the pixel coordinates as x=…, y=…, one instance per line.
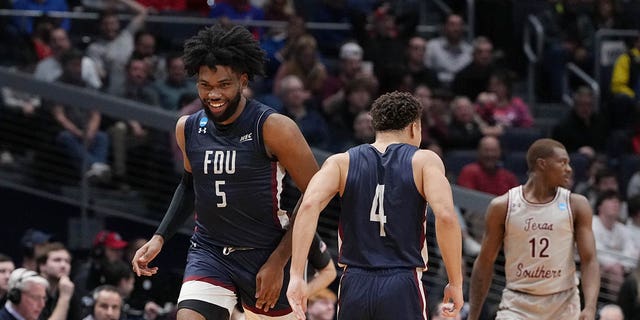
x=587, y=314
x=268, y=285
x=297, y=296
x=145, y=255
x=452, y=301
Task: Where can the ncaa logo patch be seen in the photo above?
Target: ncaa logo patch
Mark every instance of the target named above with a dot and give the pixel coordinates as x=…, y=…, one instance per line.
x=203, y=121
x=562, y=206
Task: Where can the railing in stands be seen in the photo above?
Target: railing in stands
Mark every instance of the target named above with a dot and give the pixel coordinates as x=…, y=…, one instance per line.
x=533, y=54
x=572, y=69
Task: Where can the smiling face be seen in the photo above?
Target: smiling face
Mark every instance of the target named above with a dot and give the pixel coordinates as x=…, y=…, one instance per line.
x=220, y=91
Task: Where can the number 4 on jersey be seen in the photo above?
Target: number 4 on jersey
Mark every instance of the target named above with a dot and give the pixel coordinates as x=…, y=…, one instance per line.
x=377, y=209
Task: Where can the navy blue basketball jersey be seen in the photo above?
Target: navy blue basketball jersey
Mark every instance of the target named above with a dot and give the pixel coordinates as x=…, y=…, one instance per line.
x=237, y=185
x=382, y=223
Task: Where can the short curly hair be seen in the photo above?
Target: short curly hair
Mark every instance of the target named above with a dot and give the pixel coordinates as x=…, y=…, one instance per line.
x=231, y=46
x=395, y=111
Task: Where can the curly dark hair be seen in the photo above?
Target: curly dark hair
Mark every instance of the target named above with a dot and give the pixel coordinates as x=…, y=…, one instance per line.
x=394, y=111
x=231, y=46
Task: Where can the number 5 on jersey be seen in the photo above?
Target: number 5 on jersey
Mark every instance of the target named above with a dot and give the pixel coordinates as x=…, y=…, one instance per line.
x=377, y=209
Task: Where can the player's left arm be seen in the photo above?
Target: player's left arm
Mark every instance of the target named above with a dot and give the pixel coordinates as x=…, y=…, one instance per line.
x=283, y=140
x=585, y=241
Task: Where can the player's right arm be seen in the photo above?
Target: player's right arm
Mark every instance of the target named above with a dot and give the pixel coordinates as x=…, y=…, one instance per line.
x=491, y=243
x=437, y=191
x=179, y=210
x=321, y=189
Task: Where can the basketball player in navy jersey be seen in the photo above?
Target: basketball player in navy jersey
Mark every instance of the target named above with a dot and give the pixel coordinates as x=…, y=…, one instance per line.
x=236, y=153
x=384, y=188
x=539, y=224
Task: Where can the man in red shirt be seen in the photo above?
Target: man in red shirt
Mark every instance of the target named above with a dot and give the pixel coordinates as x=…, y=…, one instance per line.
x=485, y=175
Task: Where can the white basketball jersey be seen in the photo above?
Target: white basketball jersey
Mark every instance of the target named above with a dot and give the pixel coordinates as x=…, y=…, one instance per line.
x=539, y=244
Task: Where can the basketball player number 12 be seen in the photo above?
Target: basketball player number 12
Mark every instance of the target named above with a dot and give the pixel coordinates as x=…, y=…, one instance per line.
x=377, y=209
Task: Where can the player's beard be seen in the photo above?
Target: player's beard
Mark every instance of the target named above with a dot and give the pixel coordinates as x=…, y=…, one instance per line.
x=232, y=106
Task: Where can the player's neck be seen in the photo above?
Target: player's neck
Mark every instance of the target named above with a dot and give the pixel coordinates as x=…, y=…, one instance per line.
x=537, y=190
x=385, y=139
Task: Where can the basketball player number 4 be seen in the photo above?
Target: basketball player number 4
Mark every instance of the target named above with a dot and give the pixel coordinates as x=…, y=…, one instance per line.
x=377, y=209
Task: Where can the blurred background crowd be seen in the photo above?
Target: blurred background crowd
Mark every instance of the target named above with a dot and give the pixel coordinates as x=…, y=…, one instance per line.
x=91, y=89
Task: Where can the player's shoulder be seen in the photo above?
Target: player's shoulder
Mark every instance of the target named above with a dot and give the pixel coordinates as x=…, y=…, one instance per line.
x=500, y=202
x=579, y=202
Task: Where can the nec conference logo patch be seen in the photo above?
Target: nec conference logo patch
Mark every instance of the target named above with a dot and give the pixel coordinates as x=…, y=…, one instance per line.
x=203, y=123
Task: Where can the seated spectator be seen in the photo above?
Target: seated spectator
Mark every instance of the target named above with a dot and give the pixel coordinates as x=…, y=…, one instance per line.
x=341, y=114
x=449, y=53
x=28, y=295
x=610, y=312
x=50, y=68
x=25, y=23
x=32, y=243
x=418, y=71
x=583, y=126
x=107, y=248
x=295, y=99
x=6, y=267
x=304, y=63
x=349, y=67
x=106, y=304
x=616, y=251
x=80, y=132
x=362, y=131
x=439, y=117
x=144, y=48
x=466, y=127
x=485, y=174
x=175, y=85
x=277, y=44
x=42, y=27
x=498, y=106
x=474, y=78
x=54, y=264
x=322, y=305
x=625, y=87
x=111, y=51
x=238, y=10
x=629, y=295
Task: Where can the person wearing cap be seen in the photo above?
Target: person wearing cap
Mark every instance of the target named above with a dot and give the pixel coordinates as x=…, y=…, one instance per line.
x=27, y=297
x=108, y=247
x=32, y=242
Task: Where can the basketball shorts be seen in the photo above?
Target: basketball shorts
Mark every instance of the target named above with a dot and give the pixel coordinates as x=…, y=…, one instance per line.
x=516, y=305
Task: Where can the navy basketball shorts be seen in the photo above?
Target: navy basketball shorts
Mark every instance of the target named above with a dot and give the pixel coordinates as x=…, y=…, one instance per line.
x=221, y=278
x=381, y=294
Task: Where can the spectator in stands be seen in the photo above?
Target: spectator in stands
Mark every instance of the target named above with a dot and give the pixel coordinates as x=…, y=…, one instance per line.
x=439, y=116
x=54, y=264
x=596, y=163
x=80, y=132
x=342, y=113
x=385, y=42
x=106, y=304
x=107, y=248
x=583, y=126
x=474, y=78
x=238, y=10
x=51, y=68
x=633, y=221
x=466, y=128
x=42, y=27
x=127, y=134
x=112, y=50
x=304, y=63
x=295, y=99
x=6, y=267
x=119, y=274
x=629, y=295
x=625, y=87
x=349, y=67
x=29, y=294
x=278, y=10
x=278, y=44
x=362, y=131
x=175, y=85
x=498, y=105
x=565, y=37
x=25, y=23
x=605, y=179
x=418, y=71
x=144, y=47
x=32, y=243
x=449, y=53
x=610, y=312
x=422, y=92
x=616, y=252
x=322, y=305
x=485, y=174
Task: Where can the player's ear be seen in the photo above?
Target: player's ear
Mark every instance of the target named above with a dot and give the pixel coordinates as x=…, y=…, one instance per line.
x=244, y=80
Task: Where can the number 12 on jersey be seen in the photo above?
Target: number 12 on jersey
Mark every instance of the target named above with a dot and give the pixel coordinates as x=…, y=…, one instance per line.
x=377, y=209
